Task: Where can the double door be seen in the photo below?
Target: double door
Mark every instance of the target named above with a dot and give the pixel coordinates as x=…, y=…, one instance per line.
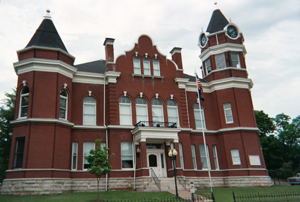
x=156, y=161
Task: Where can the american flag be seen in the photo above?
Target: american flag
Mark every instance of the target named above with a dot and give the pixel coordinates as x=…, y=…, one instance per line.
x=200, y=90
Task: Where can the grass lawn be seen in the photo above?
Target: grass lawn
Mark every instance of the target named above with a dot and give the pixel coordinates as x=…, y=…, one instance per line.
x=225, y=194
x=89, y=196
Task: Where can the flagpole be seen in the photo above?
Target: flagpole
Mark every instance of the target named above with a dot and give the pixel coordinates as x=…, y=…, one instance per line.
x=204, y=139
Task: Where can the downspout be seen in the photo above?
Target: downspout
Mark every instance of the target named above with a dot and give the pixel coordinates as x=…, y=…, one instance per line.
x=106, y=134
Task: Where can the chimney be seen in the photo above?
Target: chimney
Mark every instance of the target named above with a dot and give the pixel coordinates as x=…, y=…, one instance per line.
x=176, y=56
x=109, y=49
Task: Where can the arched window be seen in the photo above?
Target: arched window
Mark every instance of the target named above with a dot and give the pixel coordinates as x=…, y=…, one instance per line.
x=23, y=109
x=136, y=65
x=172, y=112
x=157, y=112
x=89, y=111
x=63, y=104
x=199, y=116
x=156, y=68
x=125, y=111
x=146, y=63
x=141, y=110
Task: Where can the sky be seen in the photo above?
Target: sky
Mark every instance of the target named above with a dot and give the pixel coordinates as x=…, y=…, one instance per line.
x=271, y=29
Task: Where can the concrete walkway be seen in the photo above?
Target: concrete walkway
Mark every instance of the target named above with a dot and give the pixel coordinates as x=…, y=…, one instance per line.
x=188, y=195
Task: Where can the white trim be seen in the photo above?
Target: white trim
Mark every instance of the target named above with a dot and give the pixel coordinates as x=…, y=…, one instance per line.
x=120, y=127
x=36, y=169
x=228, y=130
x=88, y=77
x=233, y=170
x=44, y=65
x=45, y=48
x=220, y=84
x=182, y=82
x=222, y=48
x=43, y=120
x=89, y=127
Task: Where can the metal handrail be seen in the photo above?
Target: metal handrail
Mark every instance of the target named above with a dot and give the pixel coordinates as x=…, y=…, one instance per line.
x=181, y=180
x=156, y=124
x=155, y=178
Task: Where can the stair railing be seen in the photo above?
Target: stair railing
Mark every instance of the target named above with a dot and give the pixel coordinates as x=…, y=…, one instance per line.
x=181, y=180
x=155, y=178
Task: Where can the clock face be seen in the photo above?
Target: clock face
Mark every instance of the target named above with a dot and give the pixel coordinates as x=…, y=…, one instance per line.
x=203, y=40
x=232, y=32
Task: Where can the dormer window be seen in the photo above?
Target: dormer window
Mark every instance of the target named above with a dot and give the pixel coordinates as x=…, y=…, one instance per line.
x=156, y=68
x=136, y=65
x=146, y=63
x=23, y=109
x=235, y=60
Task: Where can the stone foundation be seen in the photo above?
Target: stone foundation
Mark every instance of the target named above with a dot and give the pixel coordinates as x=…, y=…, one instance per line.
x=58, y=186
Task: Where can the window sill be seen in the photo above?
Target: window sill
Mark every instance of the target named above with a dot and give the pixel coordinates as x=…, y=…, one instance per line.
x=147, y=76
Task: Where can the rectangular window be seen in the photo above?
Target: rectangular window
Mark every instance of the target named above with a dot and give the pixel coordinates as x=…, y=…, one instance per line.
x=235, y=157
x=235, y=60
x=147, y=67
x=74, y=155
x=216, y=157
x=126, y=154
x=254, y=160
x=220, y=61
x=19, y=152
x=228, y=112
x=181, y=155
x=204, y=157
x=207, y=66
x=87, y=146
x=136, y=65
x=156, y=68
x=194, y=156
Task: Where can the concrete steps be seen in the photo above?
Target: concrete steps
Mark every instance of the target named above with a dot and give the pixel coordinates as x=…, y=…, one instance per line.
x=166, y=184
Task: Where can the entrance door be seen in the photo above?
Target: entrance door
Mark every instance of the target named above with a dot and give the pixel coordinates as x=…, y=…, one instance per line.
x=156, y=161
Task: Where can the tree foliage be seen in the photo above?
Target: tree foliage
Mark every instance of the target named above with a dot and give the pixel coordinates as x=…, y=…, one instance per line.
x=7, y=112
x=100, y=162
x=280, y=142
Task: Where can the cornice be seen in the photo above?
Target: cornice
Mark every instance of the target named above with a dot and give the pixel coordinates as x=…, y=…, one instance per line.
x=222, y=48
x=221, y=84
x=181, y=82
x=41, y=120
x=120, y=127
x=44, y=65
x=89, y=127
x=111, y=77
x=45, y=48
x=227, y=130
x=88, y=77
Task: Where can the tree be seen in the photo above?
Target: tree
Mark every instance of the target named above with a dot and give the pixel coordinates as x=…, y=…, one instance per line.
x=7, y=112
x=264, y=123
x=100, y=162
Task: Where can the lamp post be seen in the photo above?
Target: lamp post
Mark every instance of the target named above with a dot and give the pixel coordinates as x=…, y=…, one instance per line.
x=172, y=154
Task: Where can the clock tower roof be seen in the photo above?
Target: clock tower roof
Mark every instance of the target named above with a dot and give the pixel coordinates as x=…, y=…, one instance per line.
x=217, y=22
x=47, y=36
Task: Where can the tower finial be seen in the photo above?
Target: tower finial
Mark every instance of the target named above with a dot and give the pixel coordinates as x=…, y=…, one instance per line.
x=47, y=16
x=216, y=5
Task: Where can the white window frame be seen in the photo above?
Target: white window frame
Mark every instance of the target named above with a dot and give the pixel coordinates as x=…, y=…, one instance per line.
x=125, y=119
x=66, y=101
x=204, y=156
x=216, y=160
x=228, y=113
x=181, y=155
x=144, y=106
x=25, y=96
x=17, y=153
x=194, y=156
x=136, y=65
x=254, y=160
x=200, y=121
x=126, y=156
x=156, y=67
x=157, y=104
x=74, y=155
x=207, y=64
x=235, y=155
x=86, y=153
x=220, y=61
x=147, y=68
x=85, y=114
x=238, y=65
x=172, y=105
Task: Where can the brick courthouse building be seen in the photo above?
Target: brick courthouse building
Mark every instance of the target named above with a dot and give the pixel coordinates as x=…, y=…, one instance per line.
x=140, y=104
